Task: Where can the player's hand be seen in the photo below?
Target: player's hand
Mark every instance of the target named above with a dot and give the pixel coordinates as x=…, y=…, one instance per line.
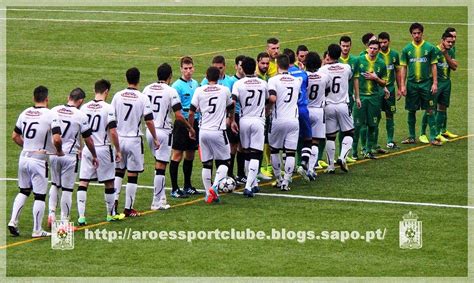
x=300, y=65
x=95, y=162
x=79, y=154
x=387, y=93
x=60, y=153
x=370, y=76
x=234, y=127
x=403, y=91
x=434, y=89
x=157, y=144
x=358, y=103
x=192, y=134
x=118, y=156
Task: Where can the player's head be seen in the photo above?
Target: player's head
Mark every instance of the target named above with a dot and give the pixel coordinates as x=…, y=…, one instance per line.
x=164, y=73
x=77, y=96
x=416, y=31
x=326, y=58
x=283, y=62
x=447, y=40
x=334, y=52
x=346, y=43
x=366, y=38
x=133, y=76
x=40, y=94
x=212, y=74
x=313, y=61
x=384, y=40
x=301, y=52
x=248, y=66
x=291, y=55
x=452, y=31
x=263, y=61
x=238, y=66
x=187, y=68
x=102, y=87
x=219, y=62
x=273, y=47
x=373, y=48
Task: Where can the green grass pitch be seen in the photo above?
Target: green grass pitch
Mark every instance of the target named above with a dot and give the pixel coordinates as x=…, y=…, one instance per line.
x=79, y=48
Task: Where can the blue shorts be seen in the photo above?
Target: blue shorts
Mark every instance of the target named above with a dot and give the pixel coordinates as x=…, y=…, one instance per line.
x=305, y=124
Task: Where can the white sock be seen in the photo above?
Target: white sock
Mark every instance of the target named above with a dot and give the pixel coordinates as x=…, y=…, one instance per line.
x=276, y=164
x=252, y=174
x=346, y=146
x=206, y=178
x=118, y=187
x=159, y=187
x=81, y=202
x=289, y=167
x=53, y=199
x=314, y=157
x=18, y=204
x=109, y=203
x=331, y=152
x=66, y=204
x=221, y=172
x=247, y=164
x=38, y=212
x=130, y=191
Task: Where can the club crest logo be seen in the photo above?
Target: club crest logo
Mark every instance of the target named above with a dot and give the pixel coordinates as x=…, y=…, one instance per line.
x=410, y=232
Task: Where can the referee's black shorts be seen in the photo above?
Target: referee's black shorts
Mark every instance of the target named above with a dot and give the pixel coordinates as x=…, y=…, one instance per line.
x=181, y=140
x=234, y=138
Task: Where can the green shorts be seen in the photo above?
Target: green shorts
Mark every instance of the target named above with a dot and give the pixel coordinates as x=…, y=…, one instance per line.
x=389, y=105
x=419, y=96
x=369, y=112
x=444, y=92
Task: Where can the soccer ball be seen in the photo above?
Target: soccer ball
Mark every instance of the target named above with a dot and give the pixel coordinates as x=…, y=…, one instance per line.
x=226, y=185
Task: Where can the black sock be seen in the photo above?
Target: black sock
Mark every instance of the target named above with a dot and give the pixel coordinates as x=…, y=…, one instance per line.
x=231, y=166
x=240, y=164
x=174, y=175
x=187, y=171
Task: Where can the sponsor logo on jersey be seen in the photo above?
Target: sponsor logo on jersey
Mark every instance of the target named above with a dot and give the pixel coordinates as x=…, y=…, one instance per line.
x=94, y=106
x=287, y=79
x=419, y=60
x=335, y=68
x=157, y=87
x=211, y=88
x=252, y=82
x=129, y=95
x=65, y=111
x=314, y=77
x=33, y=113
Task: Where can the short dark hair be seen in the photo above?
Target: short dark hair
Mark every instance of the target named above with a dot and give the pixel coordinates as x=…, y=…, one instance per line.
x=384, y=35
x=262, y=55
x=219, y=59
x=416, y=26
x=450, y=29
x=40, y=93
x=249, y=65
x=372, y=42
x=301, y=48
x=313, y=61
x=283, y=61
x=366, y=38
x=212, y=74
x=446, y=34
x=101, y=86
x=291, y=55
x=186, y=60
x=345, y=38
x=77, y=94
x=133, y=75
x=164, y=72
x=334, y=51
x=239, y=58
x=272, y=40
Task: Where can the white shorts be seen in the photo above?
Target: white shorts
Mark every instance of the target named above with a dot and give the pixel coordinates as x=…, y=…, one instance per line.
x=105, y=171
x=64, y=170
x=252, y=133
x=165, y=137
x=132, y=154
x=214, y=145
x=338, y=118
x=284, y=134
x=318, y=124
x=33, y=173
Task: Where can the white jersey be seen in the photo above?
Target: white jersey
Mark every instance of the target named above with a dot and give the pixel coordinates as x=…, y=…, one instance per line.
x=317, y=84
x=73, y=123
x=101, y=117
x=339, y=74
x=130, y=106
x=35, y=125
x=211, y=101
x=287, y=88
x=251, y=93
x=164, y=100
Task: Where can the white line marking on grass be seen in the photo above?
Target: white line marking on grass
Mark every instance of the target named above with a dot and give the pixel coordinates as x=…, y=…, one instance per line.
x=228, y=16
x=366, y=200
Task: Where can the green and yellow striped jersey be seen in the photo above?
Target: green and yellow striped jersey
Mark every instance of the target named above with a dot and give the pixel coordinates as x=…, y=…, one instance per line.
x=418, y=59
x=352, y=61
x=392, y=60
x=444, y=72
x=369, y=87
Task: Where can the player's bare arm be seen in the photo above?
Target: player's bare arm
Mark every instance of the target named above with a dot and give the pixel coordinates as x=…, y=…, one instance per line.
x=356, y=93
x=434, y=86
x=17, y=139
x=58, y=144
x=90, y=145
x=115, y=141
